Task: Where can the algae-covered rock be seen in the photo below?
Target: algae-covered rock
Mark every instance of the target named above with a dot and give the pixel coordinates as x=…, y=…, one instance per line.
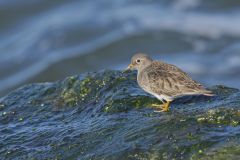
x=105, y=115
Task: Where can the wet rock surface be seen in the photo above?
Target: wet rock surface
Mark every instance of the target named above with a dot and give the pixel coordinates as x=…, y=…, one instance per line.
x=105, y=115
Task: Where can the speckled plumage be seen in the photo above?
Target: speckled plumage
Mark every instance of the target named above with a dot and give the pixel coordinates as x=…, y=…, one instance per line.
x=164, y=81
x=168, y=80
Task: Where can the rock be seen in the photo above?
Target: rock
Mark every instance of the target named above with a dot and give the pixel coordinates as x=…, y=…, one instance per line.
x=105, y=115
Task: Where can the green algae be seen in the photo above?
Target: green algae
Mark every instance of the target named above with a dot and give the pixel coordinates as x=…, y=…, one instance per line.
x=223, y=153
x=224, y=116
x=75, y=90
x=70, y=97
x=120, y=105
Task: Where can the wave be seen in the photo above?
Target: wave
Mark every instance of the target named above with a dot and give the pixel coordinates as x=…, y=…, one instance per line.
x=78, y=28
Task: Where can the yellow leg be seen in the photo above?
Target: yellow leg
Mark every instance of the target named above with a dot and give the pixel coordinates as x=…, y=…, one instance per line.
x=166, y=106
x=162, y=108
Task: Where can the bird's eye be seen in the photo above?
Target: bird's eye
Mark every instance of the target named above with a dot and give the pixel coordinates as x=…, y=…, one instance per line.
x=138, y=60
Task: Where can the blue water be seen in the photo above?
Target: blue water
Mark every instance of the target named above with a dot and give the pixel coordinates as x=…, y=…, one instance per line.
x=105, y=115
x=42, y=40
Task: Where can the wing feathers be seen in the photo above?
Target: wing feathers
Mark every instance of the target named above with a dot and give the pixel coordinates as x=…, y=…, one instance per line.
x=169, y=80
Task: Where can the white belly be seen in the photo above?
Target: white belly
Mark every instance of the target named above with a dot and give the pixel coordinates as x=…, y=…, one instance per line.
x=163, y=97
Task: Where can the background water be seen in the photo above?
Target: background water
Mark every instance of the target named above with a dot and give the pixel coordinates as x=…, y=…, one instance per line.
x=42, y=40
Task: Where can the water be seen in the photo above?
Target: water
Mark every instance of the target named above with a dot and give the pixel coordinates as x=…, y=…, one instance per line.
x=49, y=40
x=105, y=115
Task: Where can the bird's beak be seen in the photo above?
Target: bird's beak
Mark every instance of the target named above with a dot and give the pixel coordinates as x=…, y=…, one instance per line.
x=130, y=66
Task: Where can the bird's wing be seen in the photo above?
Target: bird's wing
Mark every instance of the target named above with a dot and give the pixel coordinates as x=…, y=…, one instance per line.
x=171, y=81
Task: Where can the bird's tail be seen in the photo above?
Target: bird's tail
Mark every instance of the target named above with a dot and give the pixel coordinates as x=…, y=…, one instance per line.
x=207, y=93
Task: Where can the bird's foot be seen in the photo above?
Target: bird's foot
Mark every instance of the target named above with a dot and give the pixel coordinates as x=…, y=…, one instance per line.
x=161, y=107
x=159, y=111
x=156, y=105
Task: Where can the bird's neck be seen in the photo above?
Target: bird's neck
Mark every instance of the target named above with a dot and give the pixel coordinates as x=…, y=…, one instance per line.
x=144, y=67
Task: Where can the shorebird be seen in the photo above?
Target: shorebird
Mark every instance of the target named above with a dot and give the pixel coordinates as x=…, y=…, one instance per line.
x=164, y=81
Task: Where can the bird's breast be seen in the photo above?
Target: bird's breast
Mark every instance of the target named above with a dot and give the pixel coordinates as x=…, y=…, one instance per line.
x=143, y=81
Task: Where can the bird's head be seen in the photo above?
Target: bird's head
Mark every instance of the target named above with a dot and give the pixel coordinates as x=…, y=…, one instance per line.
x=139, y=61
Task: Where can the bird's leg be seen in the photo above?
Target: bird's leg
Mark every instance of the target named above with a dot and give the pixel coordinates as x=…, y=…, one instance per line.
x=163, y=107
x=166, y=106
